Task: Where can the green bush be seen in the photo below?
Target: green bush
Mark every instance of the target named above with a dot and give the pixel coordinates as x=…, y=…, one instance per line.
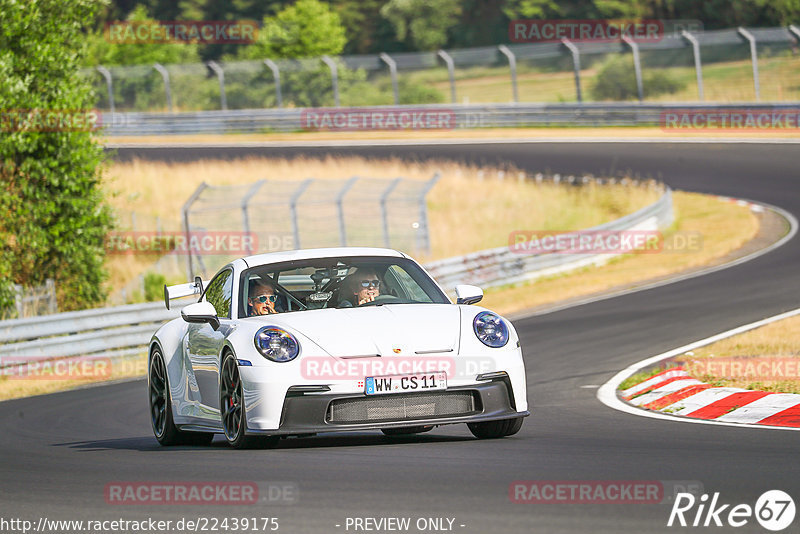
x=617, y=81
x=53, y=219
x=154, y=286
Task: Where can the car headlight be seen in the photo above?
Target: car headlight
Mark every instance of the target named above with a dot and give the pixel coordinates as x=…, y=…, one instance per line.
x=277, y=344
x=490, y=329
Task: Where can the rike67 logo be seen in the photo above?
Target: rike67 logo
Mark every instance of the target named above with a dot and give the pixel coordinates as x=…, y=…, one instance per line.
x=774, y=510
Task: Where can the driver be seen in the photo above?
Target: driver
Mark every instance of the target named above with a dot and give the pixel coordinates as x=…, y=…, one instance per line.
x=364, y=285
x=262, y=298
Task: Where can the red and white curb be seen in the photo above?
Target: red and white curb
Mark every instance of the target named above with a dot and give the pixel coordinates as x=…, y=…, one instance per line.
x=674, y=391
x=675, y=396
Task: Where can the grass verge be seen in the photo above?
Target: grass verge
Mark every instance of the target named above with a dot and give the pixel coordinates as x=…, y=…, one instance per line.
x=723, y=227
x=766, y=359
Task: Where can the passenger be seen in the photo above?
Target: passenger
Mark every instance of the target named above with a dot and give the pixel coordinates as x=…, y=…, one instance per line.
x=262, y=298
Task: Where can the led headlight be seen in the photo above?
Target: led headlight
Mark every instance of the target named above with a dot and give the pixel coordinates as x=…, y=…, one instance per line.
x=490, y=329
x=277, y=344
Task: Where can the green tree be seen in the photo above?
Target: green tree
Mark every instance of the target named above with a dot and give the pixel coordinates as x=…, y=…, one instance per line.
x=422, y=23
x=53, y=220
x=308, y=28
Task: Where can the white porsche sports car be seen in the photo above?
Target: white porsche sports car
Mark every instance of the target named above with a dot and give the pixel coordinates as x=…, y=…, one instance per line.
x=327, y=340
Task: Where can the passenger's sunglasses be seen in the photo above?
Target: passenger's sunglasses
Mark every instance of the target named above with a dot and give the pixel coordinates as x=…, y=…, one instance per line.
x=265, y=298
x=370, y=283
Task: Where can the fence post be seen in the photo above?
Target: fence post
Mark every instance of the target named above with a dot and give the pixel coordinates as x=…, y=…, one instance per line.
x=213, y=65
x=245, y=217
x=385, y=212
x=637, y=65
x=451, y=67
x=423, y=238
x=52, y=302
x=698, y=65
x=293, y=209
x=165, y=76
x=340, y=209
x=334, y=78
x=186, y=207
x=576, y=64
x=109, y=85
x=276, y=75
x=386, y=58
x=753, y=57
x=512, y=65
x=795, y=31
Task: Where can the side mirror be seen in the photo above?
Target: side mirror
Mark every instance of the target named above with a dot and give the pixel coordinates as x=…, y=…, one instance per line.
x=201, y=312
x=468, y=294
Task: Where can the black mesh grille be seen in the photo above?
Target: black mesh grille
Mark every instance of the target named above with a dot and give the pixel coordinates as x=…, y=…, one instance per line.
x=402, y=407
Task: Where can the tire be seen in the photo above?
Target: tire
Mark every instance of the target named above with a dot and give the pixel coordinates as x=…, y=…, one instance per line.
x=406, y=430
x=233, y=415
x=161, y=420
x=496, y=429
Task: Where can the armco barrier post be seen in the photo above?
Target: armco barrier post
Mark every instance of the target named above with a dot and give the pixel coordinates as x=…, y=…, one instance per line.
x=750, y=38
x=386, y=58
x=385, y=212
x=165, y=76
x=334, y=78
x=698, y=65
x=293, y=209
x=109, y=86
x=276, y=75
x=512, y=65
x=576, y=64
x=186, y=228
x=423, y=236
x=450, y=71
x=213, y=65
x=340, y=209
x=245, y=215
x=637, y=65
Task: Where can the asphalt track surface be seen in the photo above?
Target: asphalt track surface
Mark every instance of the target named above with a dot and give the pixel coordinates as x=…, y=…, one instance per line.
x=59, y=451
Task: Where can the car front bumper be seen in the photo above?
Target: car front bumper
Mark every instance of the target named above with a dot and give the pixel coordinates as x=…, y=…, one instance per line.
x=311, y=413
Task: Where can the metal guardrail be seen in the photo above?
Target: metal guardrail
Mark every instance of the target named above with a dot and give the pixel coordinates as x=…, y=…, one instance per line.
x=463, y=117
x=125, y=330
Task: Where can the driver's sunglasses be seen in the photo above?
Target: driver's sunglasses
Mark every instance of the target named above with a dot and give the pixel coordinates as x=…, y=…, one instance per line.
x=265, y=298
x=370, y=283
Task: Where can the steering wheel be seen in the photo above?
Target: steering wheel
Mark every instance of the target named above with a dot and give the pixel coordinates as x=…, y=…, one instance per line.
x=381, y=299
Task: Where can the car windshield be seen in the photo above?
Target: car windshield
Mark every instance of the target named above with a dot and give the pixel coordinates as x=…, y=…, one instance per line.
x=346, y=282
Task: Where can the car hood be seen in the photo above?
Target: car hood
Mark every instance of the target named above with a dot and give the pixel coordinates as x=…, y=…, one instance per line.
x=392, y=329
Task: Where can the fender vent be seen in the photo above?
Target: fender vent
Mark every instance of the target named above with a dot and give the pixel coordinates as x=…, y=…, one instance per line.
x=382, y=408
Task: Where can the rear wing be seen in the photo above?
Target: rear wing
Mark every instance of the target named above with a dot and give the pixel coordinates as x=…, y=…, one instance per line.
x=184, y=290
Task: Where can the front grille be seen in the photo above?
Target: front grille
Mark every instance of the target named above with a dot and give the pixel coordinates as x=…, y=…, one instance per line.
x=403, y=407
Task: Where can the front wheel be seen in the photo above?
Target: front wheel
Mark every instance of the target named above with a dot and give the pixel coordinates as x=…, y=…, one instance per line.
x=496, y=429
x=161, y=420
x=232, y=411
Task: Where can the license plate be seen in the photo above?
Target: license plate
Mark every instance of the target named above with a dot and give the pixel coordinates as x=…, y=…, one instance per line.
x=382, y=385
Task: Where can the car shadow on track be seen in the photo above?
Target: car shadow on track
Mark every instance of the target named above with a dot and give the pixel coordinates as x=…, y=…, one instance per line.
x=148, y=443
